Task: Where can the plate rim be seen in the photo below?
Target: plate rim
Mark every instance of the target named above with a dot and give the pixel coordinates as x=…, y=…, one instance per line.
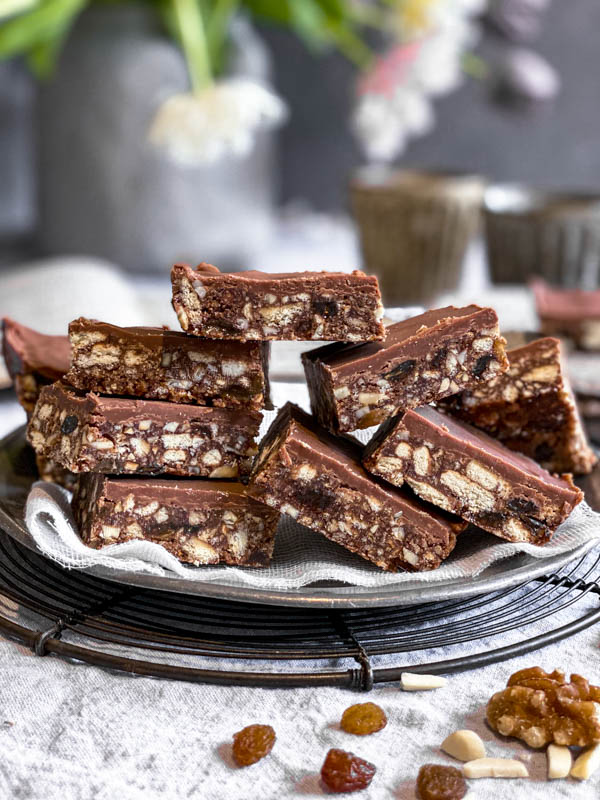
x=341, y=596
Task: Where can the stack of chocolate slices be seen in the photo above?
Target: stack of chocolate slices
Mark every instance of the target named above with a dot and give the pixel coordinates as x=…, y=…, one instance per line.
x=161, y=426
x=434, y=378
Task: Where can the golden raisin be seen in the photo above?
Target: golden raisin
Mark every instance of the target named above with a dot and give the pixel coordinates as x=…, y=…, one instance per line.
x=541, y=707
x=252, y=743
x=363, y=718
x=436, y=782
x=345, y=772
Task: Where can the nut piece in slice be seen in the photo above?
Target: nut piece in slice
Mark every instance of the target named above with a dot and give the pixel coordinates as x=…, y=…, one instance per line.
x=252, y=743
x=363, y=719
x=495, y=768
x=345, y=772
x=438, y=782
x=560, y=761
x=587, y=763
x=414, y=682
x=542, y=708
x=464, y=745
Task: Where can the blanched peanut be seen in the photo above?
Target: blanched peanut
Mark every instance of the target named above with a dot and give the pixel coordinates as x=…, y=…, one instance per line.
x=587, y=763
x=412, y=682
x=560, y=761
x=495, y=768
x=464, y=746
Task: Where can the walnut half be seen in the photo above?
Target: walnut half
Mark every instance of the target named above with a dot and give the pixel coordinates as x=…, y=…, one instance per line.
x=542, y=708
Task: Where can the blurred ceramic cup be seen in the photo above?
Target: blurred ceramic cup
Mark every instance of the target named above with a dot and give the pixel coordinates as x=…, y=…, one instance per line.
x=414, y=229
x=554, y=235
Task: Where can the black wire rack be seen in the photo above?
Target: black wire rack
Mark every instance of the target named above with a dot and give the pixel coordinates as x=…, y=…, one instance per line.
x=82, y=618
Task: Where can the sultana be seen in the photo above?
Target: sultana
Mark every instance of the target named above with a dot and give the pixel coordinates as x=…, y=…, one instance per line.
x=345, y=772
x=252, y=743
x=363, y=718
x=436, y=782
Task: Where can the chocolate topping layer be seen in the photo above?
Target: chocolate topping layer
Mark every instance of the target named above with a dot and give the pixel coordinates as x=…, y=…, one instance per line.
x=325, y=278
x=126, y=409
x=184, y=493
x=26, y=350
x=440, y=429
x=157, y=338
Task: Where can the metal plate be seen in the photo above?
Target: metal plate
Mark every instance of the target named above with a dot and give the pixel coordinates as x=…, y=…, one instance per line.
x=17, y=472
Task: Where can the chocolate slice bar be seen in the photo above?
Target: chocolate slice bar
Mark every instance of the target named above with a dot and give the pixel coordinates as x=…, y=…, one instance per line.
x=160, y=364
x=318, y=480
x=423, y=359
x=530, y=409
x=198, y=521
x=569, y=312
x=88, y=433
x=331, y=306
x=465, y=471
x=33, y=360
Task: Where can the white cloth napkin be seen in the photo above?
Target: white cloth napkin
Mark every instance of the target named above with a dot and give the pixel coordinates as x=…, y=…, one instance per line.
x=301, y=556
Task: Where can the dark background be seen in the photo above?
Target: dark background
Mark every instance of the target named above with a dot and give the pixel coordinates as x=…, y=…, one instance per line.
x=554, y=144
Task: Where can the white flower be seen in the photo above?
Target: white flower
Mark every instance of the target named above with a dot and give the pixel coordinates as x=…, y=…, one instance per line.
x=378, y=127
x=393, y=103
x=384, y=124
x=221, y=120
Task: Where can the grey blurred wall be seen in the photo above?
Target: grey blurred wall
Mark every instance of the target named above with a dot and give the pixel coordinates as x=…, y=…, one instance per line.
x=554, y=145
x=16, y=151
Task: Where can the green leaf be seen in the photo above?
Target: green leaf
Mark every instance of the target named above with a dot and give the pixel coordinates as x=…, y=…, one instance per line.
x=277, y=11
x=218, y=17
x=44, y=24
x=319, y=23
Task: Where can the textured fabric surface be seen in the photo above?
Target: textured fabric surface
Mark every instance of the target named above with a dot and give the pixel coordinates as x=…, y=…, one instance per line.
x=76, y=732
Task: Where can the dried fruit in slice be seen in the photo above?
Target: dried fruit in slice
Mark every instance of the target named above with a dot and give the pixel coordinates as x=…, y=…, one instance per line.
x=436, y=782
x=363, y=718
x=252, y=743
x=540, y=707
x=345, y=772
